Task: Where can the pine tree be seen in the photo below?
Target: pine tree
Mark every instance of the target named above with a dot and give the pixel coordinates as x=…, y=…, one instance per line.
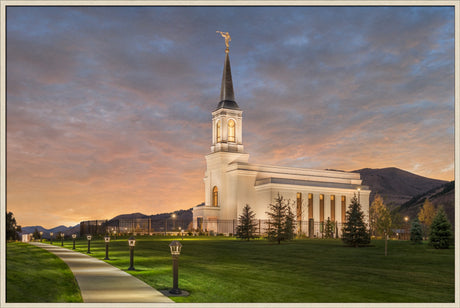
x=281, y=220
x=440, y=231
x=329, y=230
x=12, y=228
x=246, y=224
x=289, y=224
x=416, y=234
x=355, y=232
x=36, y=234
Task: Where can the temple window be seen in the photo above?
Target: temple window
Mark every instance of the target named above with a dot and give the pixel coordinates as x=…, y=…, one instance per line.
x=231, y=130
x=215, y=196
x=218, y=132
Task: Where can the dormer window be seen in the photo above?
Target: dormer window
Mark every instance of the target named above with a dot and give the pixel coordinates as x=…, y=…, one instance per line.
x=231, y=130
x=218, y=132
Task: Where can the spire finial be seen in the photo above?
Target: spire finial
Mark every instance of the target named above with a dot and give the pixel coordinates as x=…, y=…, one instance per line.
x=227, y=39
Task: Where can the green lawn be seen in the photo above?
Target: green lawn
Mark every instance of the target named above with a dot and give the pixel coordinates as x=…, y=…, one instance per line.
x=307, y=270
x=34, y=275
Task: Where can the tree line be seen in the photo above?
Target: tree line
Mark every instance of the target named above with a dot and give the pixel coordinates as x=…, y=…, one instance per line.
x=430, y=223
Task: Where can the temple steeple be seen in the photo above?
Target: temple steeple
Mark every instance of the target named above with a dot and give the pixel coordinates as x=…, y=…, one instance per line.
x=227, y=96
x=227, y=121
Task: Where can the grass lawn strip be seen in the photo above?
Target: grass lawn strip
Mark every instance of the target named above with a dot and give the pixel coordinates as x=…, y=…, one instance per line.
x=229, y=270
x=34, y=275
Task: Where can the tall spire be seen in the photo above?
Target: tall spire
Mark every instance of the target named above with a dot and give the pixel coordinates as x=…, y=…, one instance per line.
x=227, y=96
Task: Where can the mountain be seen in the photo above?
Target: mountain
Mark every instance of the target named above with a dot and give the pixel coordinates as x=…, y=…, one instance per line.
x=130, y=216
x=55, y=230
x=396, y=186
x=442, y=196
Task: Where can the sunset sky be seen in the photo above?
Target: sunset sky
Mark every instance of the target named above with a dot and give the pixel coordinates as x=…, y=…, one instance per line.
x=109, y=108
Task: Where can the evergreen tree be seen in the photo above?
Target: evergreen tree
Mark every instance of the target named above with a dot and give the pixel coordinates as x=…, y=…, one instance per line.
x=355, y=232
x=416, y=234
x=246, y=224
x=12, y=228
x=289, y=225
x=329, y=229
x=281, y=220
x=440, y=230
x=36, y=234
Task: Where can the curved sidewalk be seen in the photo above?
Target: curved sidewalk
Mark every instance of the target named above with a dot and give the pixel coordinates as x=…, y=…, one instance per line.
x=100, y=282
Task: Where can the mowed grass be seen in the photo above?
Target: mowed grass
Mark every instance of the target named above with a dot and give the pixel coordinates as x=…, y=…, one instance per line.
x=34, y=275
x=307, y=270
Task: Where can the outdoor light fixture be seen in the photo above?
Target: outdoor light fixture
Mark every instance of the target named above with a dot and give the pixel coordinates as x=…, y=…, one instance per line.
x=88, y=237
x=41, y=235
x=51, y=237
x=74, y=236
x=406, y=235
x=359, y=197
x=62, y=239
x=107, y=241
x=131, y=242
x=173, y=216
x=175, y=247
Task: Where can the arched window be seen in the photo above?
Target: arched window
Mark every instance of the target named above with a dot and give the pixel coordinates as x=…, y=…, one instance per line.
x=215, y=196
x=218, y=134
x=231, y=130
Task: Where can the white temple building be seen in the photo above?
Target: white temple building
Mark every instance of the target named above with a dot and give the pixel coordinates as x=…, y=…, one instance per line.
x=231, y=181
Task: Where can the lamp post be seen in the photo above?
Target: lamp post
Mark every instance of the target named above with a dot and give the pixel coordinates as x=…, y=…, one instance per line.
x=359, y=195
x=107, y=241
x=181, y=234
x=173, y=216
x=406, y=219
x=175, y=247
x=88, y=237
x=62, y=239
x=41, y=236
x=132, y=243
x=74, y=236
x=51, y=237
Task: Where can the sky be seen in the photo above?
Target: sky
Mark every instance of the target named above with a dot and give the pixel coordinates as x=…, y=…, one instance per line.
x=108, y=109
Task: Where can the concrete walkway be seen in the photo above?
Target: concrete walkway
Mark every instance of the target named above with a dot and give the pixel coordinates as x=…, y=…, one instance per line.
x=100, y=282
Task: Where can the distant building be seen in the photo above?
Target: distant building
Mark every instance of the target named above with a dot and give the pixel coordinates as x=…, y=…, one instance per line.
x=231, y=181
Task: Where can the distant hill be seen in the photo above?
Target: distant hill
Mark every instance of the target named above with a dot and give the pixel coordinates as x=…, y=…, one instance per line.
x=130, y=216
x=441, y=196
x=396, y=186
x=55, y=230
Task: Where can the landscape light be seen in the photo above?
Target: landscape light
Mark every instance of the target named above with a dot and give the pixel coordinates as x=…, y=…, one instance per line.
x=41, y=235
x=88, y=237
x=62, y=239
x=173, y=216
x=74, y=236
x=132, y=243
x=406, y=231
x=51, y=237
x=107, y=241
x=359, y=195
x=175, y=247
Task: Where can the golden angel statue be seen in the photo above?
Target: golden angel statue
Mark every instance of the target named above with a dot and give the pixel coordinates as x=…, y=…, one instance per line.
x=226, y=36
